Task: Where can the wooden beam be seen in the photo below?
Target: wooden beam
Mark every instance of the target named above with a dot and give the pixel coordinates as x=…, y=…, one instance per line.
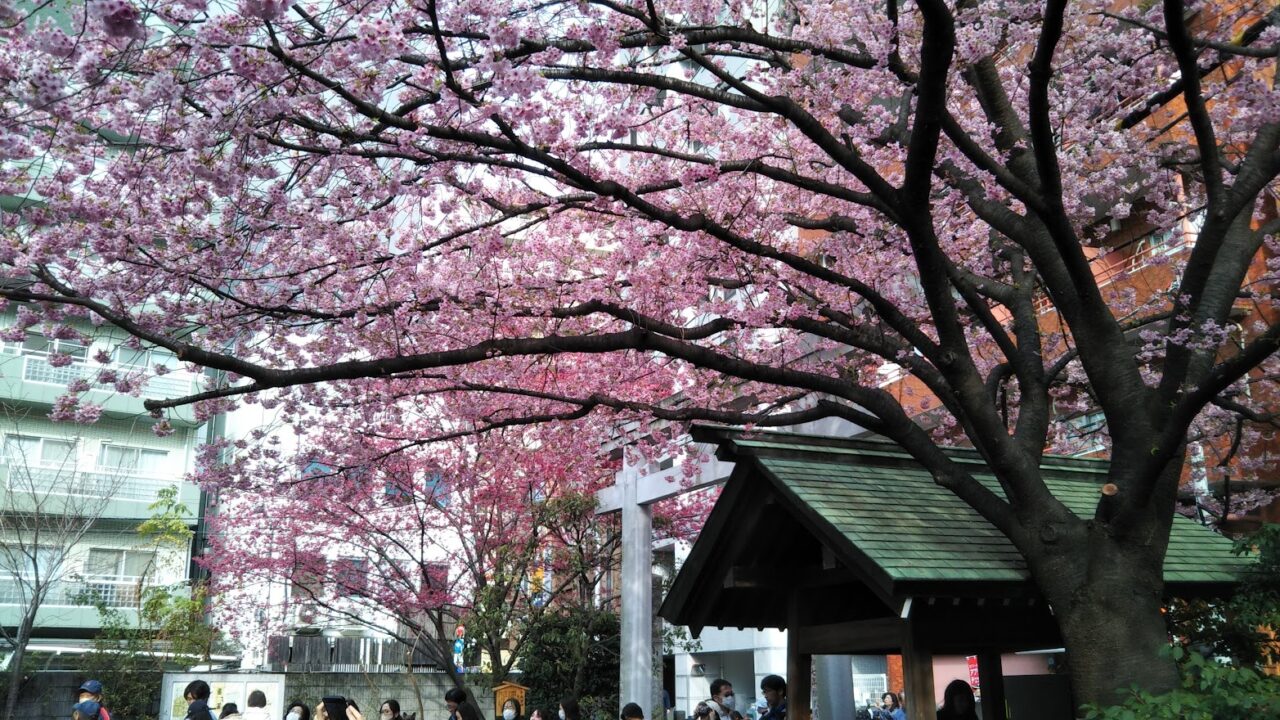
x=991, y=680
x=799, y=665
x=917, y=672
x=885, y=635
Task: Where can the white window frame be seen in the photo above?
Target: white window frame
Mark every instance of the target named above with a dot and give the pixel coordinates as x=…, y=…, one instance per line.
x=134, y=471
x=55, y=346
x=121, y=564
x=152, y=357
x=36, y=459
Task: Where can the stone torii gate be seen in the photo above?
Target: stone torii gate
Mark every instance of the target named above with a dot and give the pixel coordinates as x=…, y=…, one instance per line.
x=635, y=490
x=633, y=494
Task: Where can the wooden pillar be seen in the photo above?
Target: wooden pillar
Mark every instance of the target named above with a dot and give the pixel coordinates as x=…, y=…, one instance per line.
x=799, y=666
x=991, y=677
x=917, y=673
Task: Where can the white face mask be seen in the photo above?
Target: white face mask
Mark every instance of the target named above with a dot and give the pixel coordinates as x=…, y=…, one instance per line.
x=727, y=702
x=293, y=716
x=561, y=713
x=508, y=714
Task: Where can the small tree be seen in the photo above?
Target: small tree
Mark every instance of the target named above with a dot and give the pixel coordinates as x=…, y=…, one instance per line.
x=170, y=631
x=47, y=507
x=574, y=652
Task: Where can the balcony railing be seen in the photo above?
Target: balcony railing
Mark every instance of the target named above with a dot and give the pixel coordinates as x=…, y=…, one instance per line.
x=96, y=483
x=36, y=368
x=113, y=591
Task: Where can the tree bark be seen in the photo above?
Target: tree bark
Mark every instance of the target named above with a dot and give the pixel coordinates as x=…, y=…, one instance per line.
x=1107, y=603
x=21, y=639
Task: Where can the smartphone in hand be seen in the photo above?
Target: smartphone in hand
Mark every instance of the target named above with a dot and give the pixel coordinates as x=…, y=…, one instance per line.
x=335, y=706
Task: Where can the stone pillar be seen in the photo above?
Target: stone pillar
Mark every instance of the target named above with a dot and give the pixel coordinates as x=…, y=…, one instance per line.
x=832, y=699
x=637, y=595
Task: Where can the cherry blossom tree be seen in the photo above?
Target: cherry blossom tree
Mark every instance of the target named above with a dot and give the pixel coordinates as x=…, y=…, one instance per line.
x=491, y=532
x=741, y=212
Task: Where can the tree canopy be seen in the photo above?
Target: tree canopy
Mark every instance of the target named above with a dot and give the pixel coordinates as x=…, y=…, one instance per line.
x=741, y=212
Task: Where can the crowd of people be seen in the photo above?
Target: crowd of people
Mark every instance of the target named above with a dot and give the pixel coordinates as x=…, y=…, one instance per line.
x=958, y=704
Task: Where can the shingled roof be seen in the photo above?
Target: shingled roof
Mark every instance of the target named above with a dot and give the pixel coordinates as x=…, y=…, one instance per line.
x=868, y=521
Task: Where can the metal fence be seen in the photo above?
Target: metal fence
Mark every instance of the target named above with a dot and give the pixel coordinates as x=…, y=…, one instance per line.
x=36, y=368
x=97, y=483
x=112, y=591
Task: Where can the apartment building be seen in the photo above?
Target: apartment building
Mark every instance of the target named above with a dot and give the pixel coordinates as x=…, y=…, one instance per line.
x=72, y=495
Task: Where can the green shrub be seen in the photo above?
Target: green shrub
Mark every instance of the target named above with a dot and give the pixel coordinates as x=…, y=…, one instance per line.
x=1210, y=691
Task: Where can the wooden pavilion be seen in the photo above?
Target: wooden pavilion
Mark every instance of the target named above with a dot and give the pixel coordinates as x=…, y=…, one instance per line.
x=852, y=548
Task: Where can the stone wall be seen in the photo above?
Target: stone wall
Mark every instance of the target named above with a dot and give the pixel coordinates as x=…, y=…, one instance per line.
x=421, y=693
x=49, y=695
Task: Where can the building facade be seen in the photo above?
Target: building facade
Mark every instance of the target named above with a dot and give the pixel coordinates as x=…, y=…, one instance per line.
x=73, y=493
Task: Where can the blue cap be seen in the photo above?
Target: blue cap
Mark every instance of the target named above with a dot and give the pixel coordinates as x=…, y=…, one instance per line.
x=92, y=686
x=88, y=708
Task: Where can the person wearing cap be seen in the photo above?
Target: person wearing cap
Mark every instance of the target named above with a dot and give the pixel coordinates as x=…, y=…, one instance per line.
x=92, y=690
x=86, y=710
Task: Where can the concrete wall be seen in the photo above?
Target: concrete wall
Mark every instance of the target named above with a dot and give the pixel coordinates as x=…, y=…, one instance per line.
x=421, y=693
x=49, y=696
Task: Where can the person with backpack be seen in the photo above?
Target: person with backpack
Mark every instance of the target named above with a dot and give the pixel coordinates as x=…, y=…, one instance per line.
x=92, y=690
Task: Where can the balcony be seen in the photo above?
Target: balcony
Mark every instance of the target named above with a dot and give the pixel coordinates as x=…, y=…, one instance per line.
x=36, y=368
x=113, y=591
x=38, y=481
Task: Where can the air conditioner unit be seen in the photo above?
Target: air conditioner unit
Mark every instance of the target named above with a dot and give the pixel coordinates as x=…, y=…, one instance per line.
x=307, y=614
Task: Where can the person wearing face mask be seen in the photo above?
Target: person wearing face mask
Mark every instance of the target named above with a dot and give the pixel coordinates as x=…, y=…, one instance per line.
x=958, y=702
x=297, y=711
x=511, y=710
x=722, y=699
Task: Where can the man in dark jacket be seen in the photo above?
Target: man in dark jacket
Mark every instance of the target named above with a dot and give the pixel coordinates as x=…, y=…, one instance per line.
x=197, y=697
x=774, y=689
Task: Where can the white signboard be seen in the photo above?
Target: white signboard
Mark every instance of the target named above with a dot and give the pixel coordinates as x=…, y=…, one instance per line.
x=224, y=688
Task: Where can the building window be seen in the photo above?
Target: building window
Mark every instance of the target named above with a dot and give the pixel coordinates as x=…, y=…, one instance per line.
x=35, y=451
x=31, y=563
x=144, y=359
x=37, y=344
x=120, y=565
x=132, y=460
x=351, y=576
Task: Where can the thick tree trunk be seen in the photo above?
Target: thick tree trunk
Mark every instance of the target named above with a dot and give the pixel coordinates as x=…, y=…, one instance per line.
x=1106, y=596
